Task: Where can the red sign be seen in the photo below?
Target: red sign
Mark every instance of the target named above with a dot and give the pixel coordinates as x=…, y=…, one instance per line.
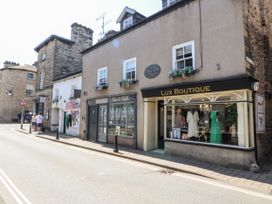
x=22, y=103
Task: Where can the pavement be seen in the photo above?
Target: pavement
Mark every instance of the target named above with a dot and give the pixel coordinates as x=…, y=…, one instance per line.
x=257, y=182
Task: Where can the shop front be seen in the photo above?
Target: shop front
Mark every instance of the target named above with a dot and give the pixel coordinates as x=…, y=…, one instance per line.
x=105, y=115
x=206, y=120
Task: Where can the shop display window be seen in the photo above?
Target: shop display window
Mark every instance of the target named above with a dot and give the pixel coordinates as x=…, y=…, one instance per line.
x=216, y=119
x=122, y=114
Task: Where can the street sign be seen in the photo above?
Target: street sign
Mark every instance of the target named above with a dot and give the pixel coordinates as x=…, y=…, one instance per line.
x=23, y=103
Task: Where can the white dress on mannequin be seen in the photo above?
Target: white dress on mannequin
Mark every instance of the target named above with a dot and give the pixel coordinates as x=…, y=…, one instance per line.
x=192, y=120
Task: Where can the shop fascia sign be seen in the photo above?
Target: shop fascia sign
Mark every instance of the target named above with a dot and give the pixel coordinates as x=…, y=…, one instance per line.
x=182, y=91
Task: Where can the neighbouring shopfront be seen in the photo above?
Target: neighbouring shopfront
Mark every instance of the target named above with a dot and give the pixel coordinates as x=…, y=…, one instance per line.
x=211, y=120
x=105, y=114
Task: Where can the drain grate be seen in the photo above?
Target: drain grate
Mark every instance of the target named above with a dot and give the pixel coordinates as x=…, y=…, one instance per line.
x=167, y=171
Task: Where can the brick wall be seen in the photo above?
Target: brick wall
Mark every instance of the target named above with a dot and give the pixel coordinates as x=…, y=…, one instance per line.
x=258, y=47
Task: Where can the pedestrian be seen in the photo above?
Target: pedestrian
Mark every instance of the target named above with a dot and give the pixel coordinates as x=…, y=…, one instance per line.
x=39, y=119
x=34, y=122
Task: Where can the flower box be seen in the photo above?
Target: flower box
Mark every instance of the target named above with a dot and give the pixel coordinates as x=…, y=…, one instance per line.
x=102, y=87
x=187, y=71
x=128, y=82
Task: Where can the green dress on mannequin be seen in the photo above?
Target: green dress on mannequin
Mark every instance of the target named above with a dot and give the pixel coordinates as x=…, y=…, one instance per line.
x=216, y=135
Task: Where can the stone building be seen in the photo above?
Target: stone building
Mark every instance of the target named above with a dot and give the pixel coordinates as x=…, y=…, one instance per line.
x=58, y=57
x=17, y=85
x=193, y=79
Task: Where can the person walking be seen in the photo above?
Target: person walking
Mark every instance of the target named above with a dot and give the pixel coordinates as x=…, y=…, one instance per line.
x=39, y=122
x=34, y=122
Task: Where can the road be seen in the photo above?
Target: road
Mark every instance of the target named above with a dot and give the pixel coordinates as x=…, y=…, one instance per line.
x=33, y=170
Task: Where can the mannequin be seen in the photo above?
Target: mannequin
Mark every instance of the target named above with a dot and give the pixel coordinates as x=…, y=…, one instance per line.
x=192, y=120
x=179, y=119
x=216, y=135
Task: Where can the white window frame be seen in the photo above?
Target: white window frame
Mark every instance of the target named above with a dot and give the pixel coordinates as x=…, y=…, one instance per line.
x=43, y=56
x=29, y=90
x=192, y=43
x=124, y=67
x=127, y=22
x=99, y=75
x=170, y=2
x=30, y=78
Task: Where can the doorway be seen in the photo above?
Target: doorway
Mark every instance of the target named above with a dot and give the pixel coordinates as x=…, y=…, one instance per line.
x=102, y=123
x=161, y=125
x=92, y=120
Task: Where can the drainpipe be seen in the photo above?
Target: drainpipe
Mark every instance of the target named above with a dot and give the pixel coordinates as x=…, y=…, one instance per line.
x=254, y=127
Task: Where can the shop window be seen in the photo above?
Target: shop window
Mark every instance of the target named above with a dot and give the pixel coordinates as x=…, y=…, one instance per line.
x=216, y=119
x=183, y=56
x=129, y=69
x=122, y=114
x=102, y=76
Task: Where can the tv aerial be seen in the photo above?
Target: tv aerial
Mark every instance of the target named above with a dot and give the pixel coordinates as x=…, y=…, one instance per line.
x=102, y=19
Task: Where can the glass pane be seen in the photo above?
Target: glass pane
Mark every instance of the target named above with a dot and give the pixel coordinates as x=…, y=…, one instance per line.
x=188, y=50
x=205, y=122
x=189, y=63
x=122, y=115
x=179, y=53
x=180, y=64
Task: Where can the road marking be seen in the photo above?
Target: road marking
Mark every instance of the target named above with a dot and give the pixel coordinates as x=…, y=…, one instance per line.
x=221, y=185
x=14, y=191
x=156, y=168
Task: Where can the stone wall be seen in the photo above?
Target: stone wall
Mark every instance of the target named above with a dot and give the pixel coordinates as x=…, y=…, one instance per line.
x=258, y=47
x=46, y=65
x=14, y=80
x=62, y=58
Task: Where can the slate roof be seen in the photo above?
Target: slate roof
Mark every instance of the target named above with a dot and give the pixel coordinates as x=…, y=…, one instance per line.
x=51, y=38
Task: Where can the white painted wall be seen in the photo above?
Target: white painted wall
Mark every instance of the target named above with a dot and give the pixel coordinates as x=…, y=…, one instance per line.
x=63, y=89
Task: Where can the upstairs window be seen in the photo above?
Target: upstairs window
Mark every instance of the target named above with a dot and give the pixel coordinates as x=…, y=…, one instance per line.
x=42, y=80
x=43, y=56
x=166, y=3
x=102, y=76
x=29, y=90
x=129, y=69
x=30, y=76
x=127, y=22
x=183, y=56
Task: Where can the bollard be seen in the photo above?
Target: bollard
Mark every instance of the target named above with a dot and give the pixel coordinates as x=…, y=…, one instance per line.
x=57, y=136
x=115, y=143
x=30, y=127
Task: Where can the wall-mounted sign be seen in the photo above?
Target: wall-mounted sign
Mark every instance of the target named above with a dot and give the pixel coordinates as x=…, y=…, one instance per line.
x=182, y=91
x=152, y=71
x=122, y=98
x=196, y=87
x=260, y=113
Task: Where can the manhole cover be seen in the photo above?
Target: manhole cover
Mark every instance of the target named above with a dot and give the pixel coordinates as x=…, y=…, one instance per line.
x=167, y=171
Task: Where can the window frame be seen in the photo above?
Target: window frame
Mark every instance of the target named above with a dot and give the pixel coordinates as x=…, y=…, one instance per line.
x=43, y=56
x=124, y=67
x=176, y=47
x=126, y=21
x=42, y=78
x=29, y=78
x=99, y=76
x=170, y=2
x=29, y=90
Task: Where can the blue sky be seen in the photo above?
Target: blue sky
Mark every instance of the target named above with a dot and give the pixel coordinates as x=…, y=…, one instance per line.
x=26, y=23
